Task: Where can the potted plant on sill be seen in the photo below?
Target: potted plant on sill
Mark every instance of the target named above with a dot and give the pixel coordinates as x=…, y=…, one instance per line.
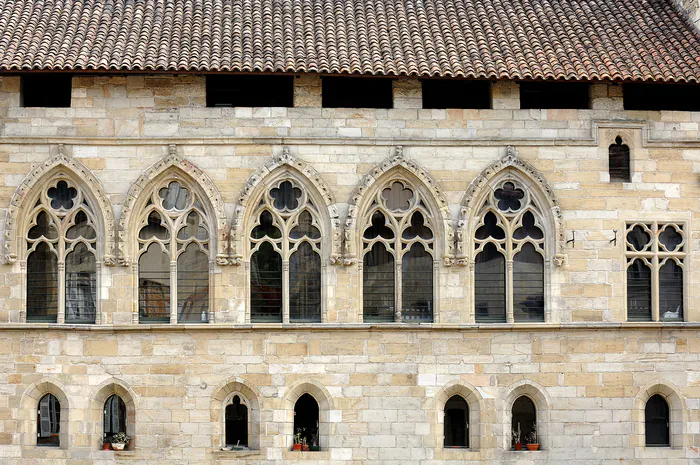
x=531, y=439
x=119, y=441
x=314, y=447
x=297, y=440
x=106, y=445
x=515, y=433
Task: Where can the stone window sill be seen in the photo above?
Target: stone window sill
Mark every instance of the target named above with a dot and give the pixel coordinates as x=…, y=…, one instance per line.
x=308, y=455
x=239, y=454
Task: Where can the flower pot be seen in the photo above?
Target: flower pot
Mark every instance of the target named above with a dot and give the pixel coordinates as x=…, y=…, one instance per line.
x=106, y=446
x=532, y=446
x=116, y=446
x=304, y=447
x=296, y=447
x=518, y=446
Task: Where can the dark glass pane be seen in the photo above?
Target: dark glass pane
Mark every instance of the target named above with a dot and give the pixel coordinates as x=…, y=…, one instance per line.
x=638, y=291
x=417, y=285
x=266, y=285
x=175, y=196
x=378, y=285
x=114, y=416
x=305, y=285
x=524, y=417
x=266, y=228
x=42, y=285
x=671, y=291
x=656, y=422
x=528, y=285
x=456, y=422
x=49, y=421
x=286, y=196
x=81, y=285
x=509, y=197
x=490, y=228
x=417, y=228
x=81, y=228
x=397, y=197
x=43, y=228
x=490, y=286
x=619, y=161
x=638, y=238
x=236, y=424
x=670, y=238
x=155, y=228
x=154, y=285
x=306, y=419
x=378, y=228
x=305, y=228
x=62, y=196
x=528, y=229
x=194, y=227
x=193, y=286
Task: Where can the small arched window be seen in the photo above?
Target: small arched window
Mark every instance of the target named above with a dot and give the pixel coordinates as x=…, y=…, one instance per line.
x=285, y=262
x=48, y=421
x=237, y=422
x=306, y=421
x=619, y=161
x=114, y=417
x=524, y=420
x=657, y=422
x=456, y=422
x=61, y=250
x=398, y=230
x=174, y=250
x=510, y=232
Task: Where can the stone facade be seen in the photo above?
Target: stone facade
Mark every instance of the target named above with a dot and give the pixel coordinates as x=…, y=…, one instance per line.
x=381, y=388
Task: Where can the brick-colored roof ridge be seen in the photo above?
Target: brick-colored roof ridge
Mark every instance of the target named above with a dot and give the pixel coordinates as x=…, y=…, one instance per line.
x=639, y=40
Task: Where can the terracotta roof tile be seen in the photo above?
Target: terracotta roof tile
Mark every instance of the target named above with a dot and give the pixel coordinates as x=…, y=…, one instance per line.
x=508, y=39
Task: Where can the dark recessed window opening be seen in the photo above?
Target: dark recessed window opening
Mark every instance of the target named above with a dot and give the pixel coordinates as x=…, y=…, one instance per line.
x=250, y=91
x=656, y=422
x=49, y=421
x=356, y=92
x=619, y=161
x=456, y=93
x=655, y=97
x=456, y=422
x=554, y=95
x=524, y=419
x=237, y=423
x=114, y=417
x=48, y=90
x=306, y=424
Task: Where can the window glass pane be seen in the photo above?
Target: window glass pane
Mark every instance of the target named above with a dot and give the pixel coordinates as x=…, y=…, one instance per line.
x=509, y=197
x=619, y=161
x=397, y=197
x=81, y=285
x=528, y=228
x=490, y=286
x=638, y=291
x=456, y=422
x=490, y=228
x=417, y=228
x=62, y=196
x=42, y=285
x=524, y=417
x=175, y=196
x=286, y=196
x=81, y=228
x=671, y=291
x=266, y=228
x=236, y=423
x=528, y=285
x=305, y=285
x=49, y=421
x=417, y=285
x=155, y=228
x=656, y=422
x=305, y=228
x=378, y=285
x=378, y=228
x=638, y=238
x=670, y=239
x=306, y=420
x=266, y=285
x=154, y=285
x=114, y=416
x=193, y=285
x=194, y=227
x=43, y=228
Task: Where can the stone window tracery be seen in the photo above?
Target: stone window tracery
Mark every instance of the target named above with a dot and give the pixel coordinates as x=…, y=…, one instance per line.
x=61, y=256
x=174, y=256
x=398, y=247
x=285, y=261
x=509, y=250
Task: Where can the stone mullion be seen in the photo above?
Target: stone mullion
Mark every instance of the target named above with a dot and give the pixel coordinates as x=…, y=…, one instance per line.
x=136, y=300
x=398, y=317
x=61, y=310
x=23, y=290
x=509, y=274
x=655, y=273
x=324, y=291
x=247, y=297
x=98, y=296
x=285, y=291
x=436, y=291
x=211, y=314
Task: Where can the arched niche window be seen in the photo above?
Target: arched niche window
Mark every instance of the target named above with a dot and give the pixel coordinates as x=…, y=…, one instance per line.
x=114, y=416
x=285, y=260
x=398, y=255
x=306, y=420
x=657, y=422
x=174, y=255
x=61, y=256
x=509, y=244
x=456, y=422
x=619, y=161
x=48, y=421
x=524, y=421
x=237, y=425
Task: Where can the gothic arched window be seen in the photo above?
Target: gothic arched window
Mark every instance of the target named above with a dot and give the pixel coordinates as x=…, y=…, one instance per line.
x=285, y=261
x=398, y=256
x=174, y=250
x=306, y=421
x=456, y=422
x=237, y=413
x=114, y=416
x=48, y=421
x=61, y=256
x=509, y=244
x=657, y=422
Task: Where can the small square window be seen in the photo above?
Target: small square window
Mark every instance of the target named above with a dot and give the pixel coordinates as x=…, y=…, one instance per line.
x=356, y=92
x=48, y=90
x=250, y=91
x=554, y=95
x=456, y=93
x=655, y=97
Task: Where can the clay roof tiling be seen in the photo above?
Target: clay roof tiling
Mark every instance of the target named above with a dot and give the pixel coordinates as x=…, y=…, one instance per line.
x=495, y=39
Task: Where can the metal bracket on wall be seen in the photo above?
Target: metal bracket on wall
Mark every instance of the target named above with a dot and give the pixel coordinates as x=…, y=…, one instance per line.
x=613, y=241
x=572, y=241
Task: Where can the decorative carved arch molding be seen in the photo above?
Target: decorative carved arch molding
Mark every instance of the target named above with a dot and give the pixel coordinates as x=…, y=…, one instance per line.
x=543, y=403
x=397, y=164
x=475, y=402
x=678, y=413
x=326, y=412
x=59, y=167
x=222, y=396
x=278, y=167
x=27, y=414
x=98, y=397
x=171, y=165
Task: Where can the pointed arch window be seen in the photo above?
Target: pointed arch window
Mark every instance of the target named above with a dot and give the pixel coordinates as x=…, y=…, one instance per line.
x=657, y=422
x=61, y=256
x=114, y=417
x=398, y=256
x=285, y=262
x=509, y=244
x=174, y=256
x=306, y=421
x=237, y=421
x=524, y=419
x=48, y=421
x=456, y=422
